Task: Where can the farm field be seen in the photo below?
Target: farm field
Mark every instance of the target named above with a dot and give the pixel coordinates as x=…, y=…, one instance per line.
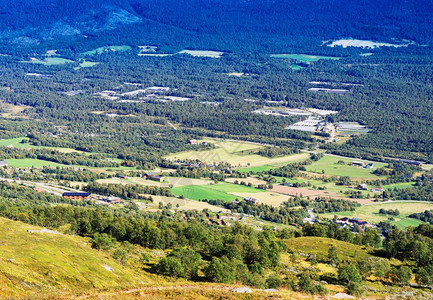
x=304, y=57
x=329, y=164
x=30, y=162
x=400, y=185
x=215, y=191
x=184, y=204
x=101, y=50
x=16, y=143
x=86, y=64
x=270, y=198
x=168, y=181
x=203, y=53
x=51, y=61
x=370, y=212
x=238, y=154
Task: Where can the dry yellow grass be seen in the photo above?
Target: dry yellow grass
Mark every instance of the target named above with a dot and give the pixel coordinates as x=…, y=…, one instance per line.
x=184, y=204
x=236, y=153
x=270, y=198
x=252, y=180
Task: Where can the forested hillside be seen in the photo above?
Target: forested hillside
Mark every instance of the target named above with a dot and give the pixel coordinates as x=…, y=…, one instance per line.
x=226, y=25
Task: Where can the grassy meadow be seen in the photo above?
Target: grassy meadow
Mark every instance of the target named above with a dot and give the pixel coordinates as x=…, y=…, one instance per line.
x=329, y=164
x=370, y=212
x=237, y=153
x=304, y=57
x=215, y=191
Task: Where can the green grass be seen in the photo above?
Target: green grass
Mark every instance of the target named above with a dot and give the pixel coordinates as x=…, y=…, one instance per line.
x=296, y=67
x=30, y=162
x=216, y=191
x=370, y=212
x=101, y=50
x=320, y=246
x=52, y=264
x=400, y=185
x=86, y=64
x=52, y=61
x=304, y=57
x=16, y=143
x=330, y=166
x=256, y=169
x=237, y=153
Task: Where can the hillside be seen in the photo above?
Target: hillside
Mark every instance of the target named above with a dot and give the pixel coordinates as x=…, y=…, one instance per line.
x=224, y=25
x=55, y=264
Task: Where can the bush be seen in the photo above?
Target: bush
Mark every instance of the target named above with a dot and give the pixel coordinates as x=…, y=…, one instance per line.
x=273, y=281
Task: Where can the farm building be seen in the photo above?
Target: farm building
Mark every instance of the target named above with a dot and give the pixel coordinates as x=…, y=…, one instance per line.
x=377, y=189
x=3, y=163
x=411, y=162
x=192, y=142
x=122, y=177
x=362, y=186
x=148, y=175
x=158, y=178
x=357, y=163
x=112, y=200
x=76, y=195
x=251, y=200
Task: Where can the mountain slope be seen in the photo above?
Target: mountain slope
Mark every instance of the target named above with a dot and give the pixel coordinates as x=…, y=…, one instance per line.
x=224, y=24
x=55, y=264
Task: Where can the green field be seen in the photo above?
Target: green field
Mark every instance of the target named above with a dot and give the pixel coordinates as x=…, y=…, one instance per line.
x=330, y=166
x=16, y=143
x=296, y=67
x=400, y=185
x=86, y=64
x=370, y=212
x=30, y=162
x=51, y=61
x=202, y=53
x=101, y=50
x=304, y=57
x=216, y=191
x=237, y=153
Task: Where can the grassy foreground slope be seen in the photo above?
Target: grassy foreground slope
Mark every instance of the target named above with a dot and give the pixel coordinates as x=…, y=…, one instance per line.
x=36, y=263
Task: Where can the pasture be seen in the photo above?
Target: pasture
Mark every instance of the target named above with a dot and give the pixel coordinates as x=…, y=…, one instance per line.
x=184, y=204
x=269, y=198
x=202, y=53
x=86, y=64
x=370, y=212
x=16, y=143
x=306, y=58
x=30, y=162
x=329, y=164
x=104, y=49
x=51, y=61
x=237, y=153
x=221, y=191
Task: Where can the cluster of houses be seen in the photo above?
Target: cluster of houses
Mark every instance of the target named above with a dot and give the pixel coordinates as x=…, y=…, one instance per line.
x=251, y=200
x=213, y=219
x=364, y=187
x=148, y=176
x=77, y=195
x=345, y=221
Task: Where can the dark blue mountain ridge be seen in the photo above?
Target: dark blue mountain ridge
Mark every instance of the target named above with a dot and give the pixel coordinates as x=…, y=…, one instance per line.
x=228, y=24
